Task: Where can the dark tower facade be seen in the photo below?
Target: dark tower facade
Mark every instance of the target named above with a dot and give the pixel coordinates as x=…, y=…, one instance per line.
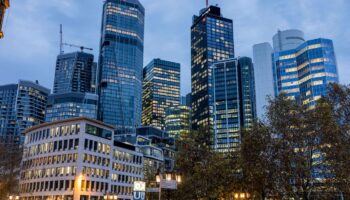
x=211, y=40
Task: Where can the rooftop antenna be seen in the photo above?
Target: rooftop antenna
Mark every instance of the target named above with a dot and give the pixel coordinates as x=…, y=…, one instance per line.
x=61, y=40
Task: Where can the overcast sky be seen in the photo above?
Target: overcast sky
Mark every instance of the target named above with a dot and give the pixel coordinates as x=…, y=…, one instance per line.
x=31, y=41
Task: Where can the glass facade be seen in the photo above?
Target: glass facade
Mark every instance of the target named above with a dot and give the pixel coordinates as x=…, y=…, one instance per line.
x=305, y=72
x=211, y=40
x=178, y=121
x=22, y=106
x=120, y=64
x=70, y=105
x=264, y=86
x=233, y=99
x=160, y=140
x=8, y=96
x=161, y=89
x=74, y=73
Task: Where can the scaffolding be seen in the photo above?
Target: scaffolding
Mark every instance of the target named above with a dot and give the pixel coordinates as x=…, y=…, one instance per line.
x=4, y=4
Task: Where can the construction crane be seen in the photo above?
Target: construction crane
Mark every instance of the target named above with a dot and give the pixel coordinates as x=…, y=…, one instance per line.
x=82, y=48
x=4, y=4
x=77, y=46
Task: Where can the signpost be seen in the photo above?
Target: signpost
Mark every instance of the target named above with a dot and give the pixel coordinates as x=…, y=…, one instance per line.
x=168, y=184
x=139, y=190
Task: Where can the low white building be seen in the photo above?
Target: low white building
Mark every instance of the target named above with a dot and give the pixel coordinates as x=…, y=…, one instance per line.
x=77, y=159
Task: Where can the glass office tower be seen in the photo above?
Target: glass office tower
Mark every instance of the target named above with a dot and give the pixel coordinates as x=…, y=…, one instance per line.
x=233, y=99
x=71, y=105
x=161, y=89
x=178, y=121
x=8, y=96
x=74, y=72
x=303, y=73
x=211, y=40
x=262, y=54
x=120, y=64
x=22, y=106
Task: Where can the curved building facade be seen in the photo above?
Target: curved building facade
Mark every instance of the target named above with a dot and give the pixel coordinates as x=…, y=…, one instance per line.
x=287, y=39
x=77, y=159
x=121, y=64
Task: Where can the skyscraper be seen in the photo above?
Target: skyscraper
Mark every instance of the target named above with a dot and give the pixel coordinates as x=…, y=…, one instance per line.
x=233, y=100
x=262, y=54
x=8, y=130
x=303, y=73
x=22, y=106
x=74, y=73
x=161, y=89
x=120, y=64
x=71, y=105
x=287, y=39
x=211, y=40
x=178, y=121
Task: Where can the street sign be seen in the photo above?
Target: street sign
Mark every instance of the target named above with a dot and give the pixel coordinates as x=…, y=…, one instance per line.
x=151, y=190
x=168, y=184
x=139, y=186
x=139, y=196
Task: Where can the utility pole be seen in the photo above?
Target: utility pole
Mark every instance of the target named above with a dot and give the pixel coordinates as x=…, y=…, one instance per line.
x=207, y=3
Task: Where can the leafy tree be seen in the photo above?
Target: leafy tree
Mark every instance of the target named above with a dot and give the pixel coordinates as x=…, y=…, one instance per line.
x=257, y=156
x=207, y=174
x=334, y=123
x=10, y=160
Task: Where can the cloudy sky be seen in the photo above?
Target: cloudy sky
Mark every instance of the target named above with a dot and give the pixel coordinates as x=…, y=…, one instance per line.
x=31, y=44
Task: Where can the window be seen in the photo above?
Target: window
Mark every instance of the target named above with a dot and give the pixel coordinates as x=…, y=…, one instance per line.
x=76, y=143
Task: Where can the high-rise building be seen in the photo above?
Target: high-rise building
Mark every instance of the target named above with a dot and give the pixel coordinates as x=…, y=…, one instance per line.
x=71, y=105
x=121, y=64
x=178, y=121
x=263, y=64
x=262, y=54
x=74, y=73
x=304, y=73
x=78, y=160
x=211, y=40
x=22, y=106
x=189, y=100
x=288, y=39
x=94, y=78
x=8, y=120
x=161, y=89
x=233, y=100
x=183, y=100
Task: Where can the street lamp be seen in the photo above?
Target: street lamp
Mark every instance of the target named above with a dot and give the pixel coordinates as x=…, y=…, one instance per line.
x=110, y=197
x=241, y=195
x=13, y=197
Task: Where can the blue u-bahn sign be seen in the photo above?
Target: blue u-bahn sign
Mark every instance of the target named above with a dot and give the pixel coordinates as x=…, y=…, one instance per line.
x=139, y=195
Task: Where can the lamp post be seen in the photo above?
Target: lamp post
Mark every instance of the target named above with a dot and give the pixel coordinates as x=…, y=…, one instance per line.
x=167, y=180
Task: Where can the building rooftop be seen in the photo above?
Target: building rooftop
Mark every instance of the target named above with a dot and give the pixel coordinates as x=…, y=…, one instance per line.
x=66, y=121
